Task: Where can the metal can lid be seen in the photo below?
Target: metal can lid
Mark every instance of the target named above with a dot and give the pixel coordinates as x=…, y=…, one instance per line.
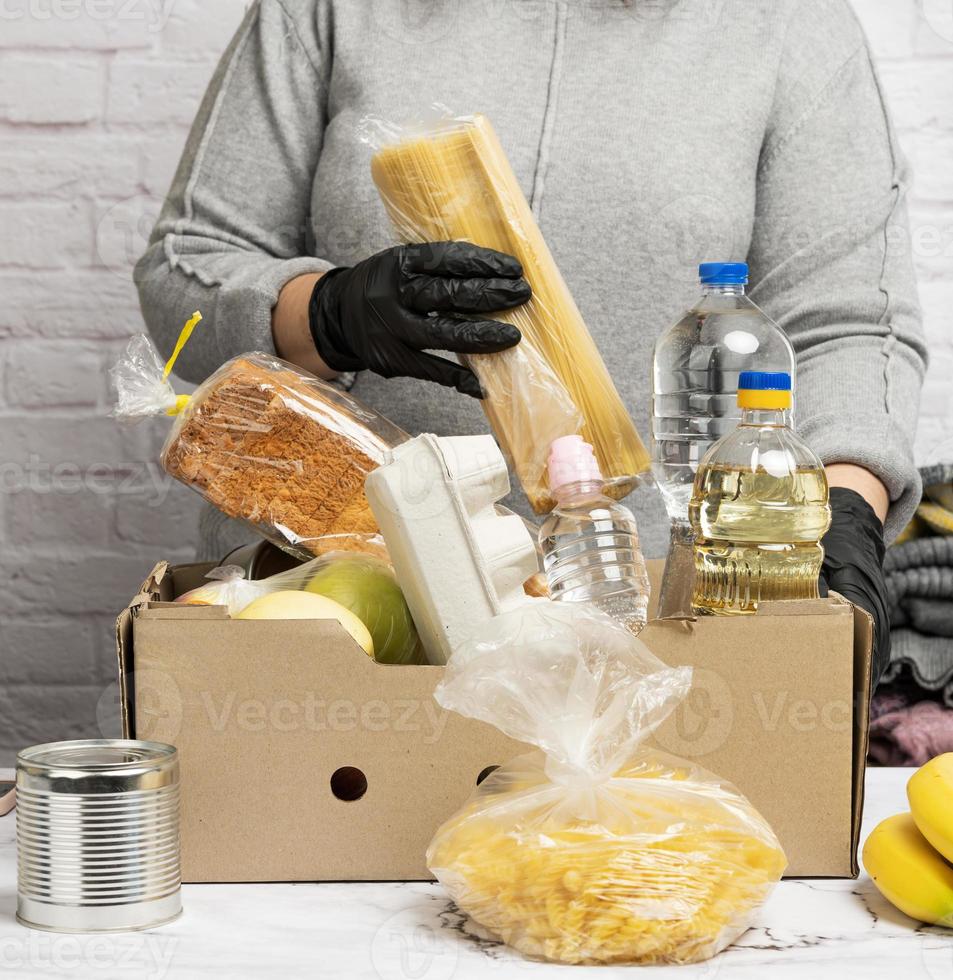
x=101, y=765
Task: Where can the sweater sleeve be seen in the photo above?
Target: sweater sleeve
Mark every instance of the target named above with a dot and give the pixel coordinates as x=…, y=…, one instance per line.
x=830, y=256
x=233, y=229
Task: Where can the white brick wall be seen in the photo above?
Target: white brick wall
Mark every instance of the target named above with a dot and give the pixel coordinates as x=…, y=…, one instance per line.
x=95, y=100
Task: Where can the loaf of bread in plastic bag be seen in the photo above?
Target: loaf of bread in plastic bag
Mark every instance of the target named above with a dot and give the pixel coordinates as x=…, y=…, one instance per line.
x=280, y=449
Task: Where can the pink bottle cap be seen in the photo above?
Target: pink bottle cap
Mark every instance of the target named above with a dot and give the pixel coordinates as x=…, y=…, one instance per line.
x=572, y=460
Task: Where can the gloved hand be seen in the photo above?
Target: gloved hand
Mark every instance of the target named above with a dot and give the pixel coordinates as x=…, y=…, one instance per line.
x=853, y=565
x=374, y=316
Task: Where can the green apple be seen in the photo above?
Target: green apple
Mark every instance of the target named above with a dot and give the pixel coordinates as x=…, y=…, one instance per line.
x=367, y=587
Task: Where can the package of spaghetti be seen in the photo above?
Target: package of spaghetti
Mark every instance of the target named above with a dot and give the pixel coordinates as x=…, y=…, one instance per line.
x=451, y=180
x=264, y=442
x=594, y=848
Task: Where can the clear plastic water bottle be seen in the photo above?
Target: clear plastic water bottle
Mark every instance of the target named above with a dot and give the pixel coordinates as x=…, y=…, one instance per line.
x=590, y=543
x=697, y=365
x=759, y=507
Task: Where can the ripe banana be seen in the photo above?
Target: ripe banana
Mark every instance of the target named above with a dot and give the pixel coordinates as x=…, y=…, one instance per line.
x=930, y=792
x=908, y=872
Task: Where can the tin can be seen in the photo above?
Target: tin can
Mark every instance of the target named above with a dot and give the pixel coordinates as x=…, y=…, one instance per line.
x=98, y=835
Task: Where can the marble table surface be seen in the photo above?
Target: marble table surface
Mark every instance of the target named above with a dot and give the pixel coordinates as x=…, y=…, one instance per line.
x=809, y=929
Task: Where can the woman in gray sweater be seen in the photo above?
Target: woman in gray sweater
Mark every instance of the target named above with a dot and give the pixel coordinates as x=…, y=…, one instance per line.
x=647, y=134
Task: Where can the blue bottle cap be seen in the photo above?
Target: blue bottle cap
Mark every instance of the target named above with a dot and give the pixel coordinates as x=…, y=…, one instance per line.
x=764, y=381
x=723, y=273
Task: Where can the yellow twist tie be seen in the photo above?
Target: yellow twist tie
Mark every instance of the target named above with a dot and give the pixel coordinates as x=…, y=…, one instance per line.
x=181, y=401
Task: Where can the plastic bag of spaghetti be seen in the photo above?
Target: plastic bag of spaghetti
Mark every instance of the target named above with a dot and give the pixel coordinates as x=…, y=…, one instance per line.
x=449, y=179
x=264, y=442
x=595, y=848
x=364, y=584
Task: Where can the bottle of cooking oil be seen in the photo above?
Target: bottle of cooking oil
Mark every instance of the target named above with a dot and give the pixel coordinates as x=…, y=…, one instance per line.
x=759, y=507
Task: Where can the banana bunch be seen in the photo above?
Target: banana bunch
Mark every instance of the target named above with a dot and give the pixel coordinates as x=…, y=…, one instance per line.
x=909, y=855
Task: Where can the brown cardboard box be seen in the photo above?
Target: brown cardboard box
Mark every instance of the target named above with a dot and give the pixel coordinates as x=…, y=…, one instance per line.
x=272, y=719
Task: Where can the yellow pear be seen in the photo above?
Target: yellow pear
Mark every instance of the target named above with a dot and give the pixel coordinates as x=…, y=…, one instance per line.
x=290, y=604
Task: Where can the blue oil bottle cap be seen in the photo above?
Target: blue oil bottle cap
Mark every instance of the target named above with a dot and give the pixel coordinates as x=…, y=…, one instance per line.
x=723, y=273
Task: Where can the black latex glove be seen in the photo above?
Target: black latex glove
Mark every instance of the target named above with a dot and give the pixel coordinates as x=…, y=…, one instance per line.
x=853, y=565
x=374, y=316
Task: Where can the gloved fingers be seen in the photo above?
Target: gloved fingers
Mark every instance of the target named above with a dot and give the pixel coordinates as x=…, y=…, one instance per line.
x=460, y=336
x=438, y=294
x=430, y=367
x=861, y=587
x=460, y=259
x=854, y=584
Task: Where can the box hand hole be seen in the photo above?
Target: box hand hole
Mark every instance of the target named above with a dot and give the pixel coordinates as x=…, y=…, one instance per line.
x=348, y=783
x=486, y=772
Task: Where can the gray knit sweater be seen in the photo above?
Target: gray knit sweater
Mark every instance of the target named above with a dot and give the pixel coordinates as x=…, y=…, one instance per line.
x=647, y=134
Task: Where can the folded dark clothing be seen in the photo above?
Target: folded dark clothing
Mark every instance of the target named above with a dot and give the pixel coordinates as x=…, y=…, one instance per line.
x=928, y=659
x=919, y=576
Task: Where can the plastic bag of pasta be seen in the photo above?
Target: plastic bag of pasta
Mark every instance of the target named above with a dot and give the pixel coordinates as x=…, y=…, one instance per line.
x=449, y=179
x=594, y=849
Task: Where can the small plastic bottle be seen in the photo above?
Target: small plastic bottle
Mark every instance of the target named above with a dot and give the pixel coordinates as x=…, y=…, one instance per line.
x=590, y=543
x=759, y=507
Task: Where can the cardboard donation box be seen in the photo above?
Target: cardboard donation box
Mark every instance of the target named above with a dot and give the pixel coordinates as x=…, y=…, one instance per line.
x=302, y=759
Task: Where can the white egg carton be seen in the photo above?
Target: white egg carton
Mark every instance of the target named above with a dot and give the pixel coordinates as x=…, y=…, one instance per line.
x=458, y=562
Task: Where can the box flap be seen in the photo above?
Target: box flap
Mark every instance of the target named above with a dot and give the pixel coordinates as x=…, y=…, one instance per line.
x=863, y=669
x=834, y=605
x=178, y=610
x=124, y=641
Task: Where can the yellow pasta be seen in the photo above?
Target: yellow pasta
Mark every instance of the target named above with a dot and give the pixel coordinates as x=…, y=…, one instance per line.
x=455, y=183
x=667, y=866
